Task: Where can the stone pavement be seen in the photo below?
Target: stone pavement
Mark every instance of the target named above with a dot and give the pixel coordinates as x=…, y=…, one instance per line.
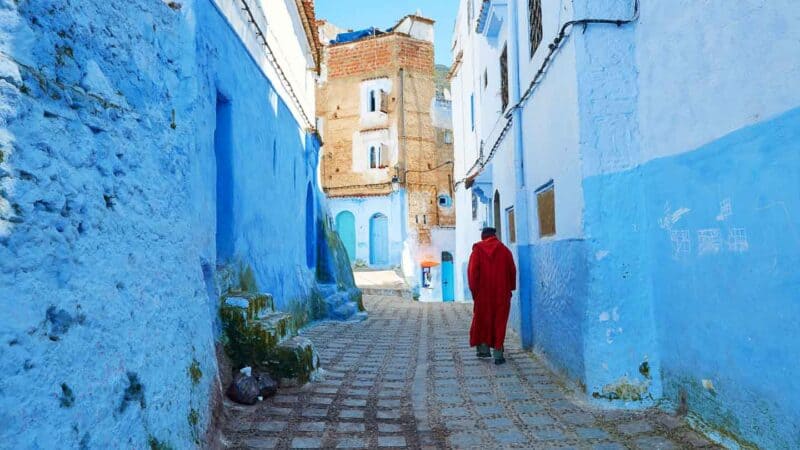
x=407, y=377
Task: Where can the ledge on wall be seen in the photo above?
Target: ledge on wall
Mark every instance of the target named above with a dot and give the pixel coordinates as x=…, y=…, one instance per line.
x=490, y=21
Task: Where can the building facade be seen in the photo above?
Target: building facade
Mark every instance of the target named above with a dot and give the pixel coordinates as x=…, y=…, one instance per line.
x=143, y=148
x=644, y=173
x=387, y=156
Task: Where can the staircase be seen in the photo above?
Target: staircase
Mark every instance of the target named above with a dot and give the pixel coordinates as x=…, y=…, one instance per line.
x=258, y=335
x=343, y=304
x=383, y=283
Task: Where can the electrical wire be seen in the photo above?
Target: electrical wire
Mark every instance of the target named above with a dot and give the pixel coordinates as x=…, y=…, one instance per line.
x=273, y=60
x=430, y=170
x=564, y=32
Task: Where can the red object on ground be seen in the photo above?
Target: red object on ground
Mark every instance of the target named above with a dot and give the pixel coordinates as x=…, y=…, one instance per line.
x=492, y=276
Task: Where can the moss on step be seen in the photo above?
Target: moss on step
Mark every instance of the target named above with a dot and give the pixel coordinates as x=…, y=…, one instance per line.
x=248, y=340
x=293, y=360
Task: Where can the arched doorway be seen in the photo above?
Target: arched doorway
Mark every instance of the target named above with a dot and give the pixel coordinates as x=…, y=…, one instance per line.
x=497, y=224
x=448, y=280
x=311, y=248
x=346, y=227
x=223, y=154
x=379, y=240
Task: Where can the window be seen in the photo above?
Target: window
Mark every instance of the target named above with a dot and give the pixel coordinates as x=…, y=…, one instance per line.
x=445, y=201
x=472, y=111
x=374, y=157
x=512, y=226
x=384, y=102
x=504, y=77
x=546, y=209
x=448, y=137
x=535, y=24
x=378, y=156
x=373, y=101
x=474, y=206
x=485, y=78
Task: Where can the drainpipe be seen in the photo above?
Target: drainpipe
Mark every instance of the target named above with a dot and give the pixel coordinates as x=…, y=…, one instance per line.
x=521, y=208
x=402, y=152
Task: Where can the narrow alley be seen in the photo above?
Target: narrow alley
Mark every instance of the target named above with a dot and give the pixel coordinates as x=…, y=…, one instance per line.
x=406, y=377
x=253, y=224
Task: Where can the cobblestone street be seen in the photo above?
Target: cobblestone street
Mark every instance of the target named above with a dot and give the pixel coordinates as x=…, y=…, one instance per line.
x=407, y=377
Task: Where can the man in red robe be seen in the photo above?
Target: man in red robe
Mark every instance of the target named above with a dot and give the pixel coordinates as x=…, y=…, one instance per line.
x=492, y=276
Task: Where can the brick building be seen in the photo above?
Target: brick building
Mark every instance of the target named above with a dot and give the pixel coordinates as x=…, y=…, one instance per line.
x=387, y=158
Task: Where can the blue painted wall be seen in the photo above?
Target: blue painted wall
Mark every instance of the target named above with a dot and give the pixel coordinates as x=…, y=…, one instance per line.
x=725, y=278
x=672, y=273
x=559, y=305
x=719, y=245
x=108, y=215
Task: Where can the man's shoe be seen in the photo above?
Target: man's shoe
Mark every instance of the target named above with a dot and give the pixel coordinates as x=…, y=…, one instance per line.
x=499, y=361
x=484, y=355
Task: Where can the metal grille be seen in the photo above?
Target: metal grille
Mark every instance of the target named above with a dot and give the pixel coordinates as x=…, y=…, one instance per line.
x=535, y=24
x=504, y=77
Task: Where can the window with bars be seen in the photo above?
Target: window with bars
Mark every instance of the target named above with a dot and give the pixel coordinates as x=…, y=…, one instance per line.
x=504, y=77
x=535, y=24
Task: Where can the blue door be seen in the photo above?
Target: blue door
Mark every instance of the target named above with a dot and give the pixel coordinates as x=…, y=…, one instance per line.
x=379, y=240
x=346, y=226
x=448, y=282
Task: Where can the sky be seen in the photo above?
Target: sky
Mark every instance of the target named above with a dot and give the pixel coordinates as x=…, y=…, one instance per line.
x=360, y=14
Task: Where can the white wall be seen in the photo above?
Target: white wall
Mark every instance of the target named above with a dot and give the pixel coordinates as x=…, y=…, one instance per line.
x=416, y=29
x=728, y=64
x=466, y=83
x=280, y=21
x=551, y=127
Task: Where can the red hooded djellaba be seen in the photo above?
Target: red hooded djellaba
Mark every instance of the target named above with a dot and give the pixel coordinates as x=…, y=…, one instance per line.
x=492, y=276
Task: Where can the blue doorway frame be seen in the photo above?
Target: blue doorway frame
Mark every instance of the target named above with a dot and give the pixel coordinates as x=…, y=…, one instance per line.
x=346, y=227
x=379, y=240
x=448, y=279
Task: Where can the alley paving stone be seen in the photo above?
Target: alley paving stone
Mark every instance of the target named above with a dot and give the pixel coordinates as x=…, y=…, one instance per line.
x=407, y=378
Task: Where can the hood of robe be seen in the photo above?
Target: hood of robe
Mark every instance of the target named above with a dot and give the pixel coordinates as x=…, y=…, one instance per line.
x=488, y=246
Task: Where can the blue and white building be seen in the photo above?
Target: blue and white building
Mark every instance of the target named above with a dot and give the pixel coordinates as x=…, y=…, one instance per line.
x=642, y=162
x=387, y=157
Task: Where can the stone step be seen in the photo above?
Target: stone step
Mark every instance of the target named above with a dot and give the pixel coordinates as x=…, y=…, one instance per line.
x=344, y=304
x=257, y=335
x=402, y=292
x=254, y=304
x=294, y=362
x=252, y=328
x=278, y=324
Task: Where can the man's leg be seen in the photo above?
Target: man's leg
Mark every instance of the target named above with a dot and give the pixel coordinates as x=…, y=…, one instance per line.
x=483, y=351
x=498, y=356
